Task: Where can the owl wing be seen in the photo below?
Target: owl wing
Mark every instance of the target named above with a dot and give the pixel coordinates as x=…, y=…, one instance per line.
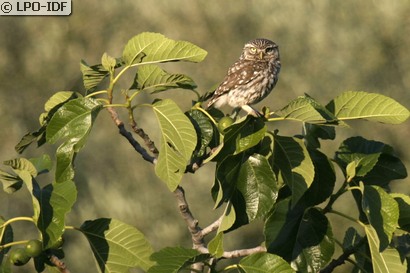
x=240, y=73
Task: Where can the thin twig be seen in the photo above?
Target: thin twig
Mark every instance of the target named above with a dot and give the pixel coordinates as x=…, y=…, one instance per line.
x=59, y=264
x=243, y=252
x=148, y=142
x=212, y=227
x=129, y=137
x=343, y=257
x=192, y=224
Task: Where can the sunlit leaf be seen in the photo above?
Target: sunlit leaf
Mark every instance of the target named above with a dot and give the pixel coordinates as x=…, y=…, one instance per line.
x=389, y=260
x=177, y=143
x=117, y=247
x=370, y=106
x=216, y=245
x=108, y=62
x=149, y=47
x=173, y=259
x=265, y=263
x=306, y=109
x=404, y=210
x=55, y=200
x=244, y=134
x=382, y=212
x=22, y=164
x=258, y=186
x=155, y=79
x=51, y=106
x=72, y=122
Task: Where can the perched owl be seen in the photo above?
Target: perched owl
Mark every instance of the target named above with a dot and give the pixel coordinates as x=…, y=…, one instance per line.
x=251, y=78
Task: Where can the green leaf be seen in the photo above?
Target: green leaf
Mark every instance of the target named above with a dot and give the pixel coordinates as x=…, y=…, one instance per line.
x=173, y=259
x=55, y=200
x=216, y=245
x=301, y=236
x=324, y=179
x=204, y=130
x=108, y=62
x=242, y=135
x=258, y=186
x=177, y=144
x=314, y=132
x=73, y=122
x=265, y=263
x=229, y=218
x=155, y=79
x=382, y=212
x=404, y=210
x=371, y=106
x=307, y=109
x=374, y=161
x=7, y=238
x=42, y=164
x=51, y=106
x=117, y=247
x=11, y=183
x=149, y=47
x=314, y=246
x=387, y=261
x=22, y=164
x=294, y=166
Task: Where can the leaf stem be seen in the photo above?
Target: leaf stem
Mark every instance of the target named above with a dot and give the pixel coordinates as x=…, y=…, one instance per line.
x=96, y=93
x=345, y=216
x=12, y=220
x=13, y=244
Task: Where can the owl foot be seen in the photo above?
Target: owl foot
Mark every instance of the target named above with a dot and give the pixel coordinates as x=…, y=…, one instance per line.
x=252, y=111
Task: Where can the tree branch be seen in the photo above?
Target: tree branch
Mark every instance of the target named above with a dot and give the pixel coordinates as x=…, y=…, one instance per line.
x=343, y=257
x=212, y=227
x=192, y=223
x=243, y=252
x=139, y=131
x=134, y=143
x=59, y=264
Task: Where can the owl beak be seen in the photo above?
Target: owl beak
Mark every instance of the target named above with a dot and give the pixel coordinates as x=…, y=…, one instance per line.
x=261, y=55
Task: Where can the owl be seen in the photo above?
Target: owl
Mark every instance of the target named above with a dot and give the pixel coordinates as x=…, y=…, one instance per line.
x=251, y=78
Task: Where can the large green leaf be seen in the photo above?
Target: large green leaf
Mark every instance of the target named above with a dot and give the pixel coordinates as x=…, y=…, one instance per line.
x=292, y=162
x=304, y=238
x=374, y=162
x=177, y=144
x=216, y=245
x=93, y=75
x=258, y=186
x=155, y=79
x=72, y=122
x=204, y=130
x=324, y=179
x=149, y=47
x=50, y=107
x=173, y=259
x=306, y=109
x=404, y=210
x=242, y=135
x=370, y=106
x=382, y=212
x=265, y=263
x=55, y=200
x=389, y=260
x=117, y=247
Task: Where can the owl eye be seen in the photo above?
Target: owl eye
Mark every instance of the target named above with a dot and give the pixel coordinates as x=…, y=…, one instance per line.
x=269, y=50
x=252, y=50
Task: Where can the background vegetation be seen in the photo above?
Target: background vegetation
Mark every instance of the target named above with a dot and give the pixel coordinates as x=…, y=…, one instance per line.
x=326, y=48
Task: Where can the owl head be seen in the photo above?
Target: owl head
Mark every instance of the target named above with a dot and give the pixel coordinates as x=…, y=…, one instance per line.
x=260, y=49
